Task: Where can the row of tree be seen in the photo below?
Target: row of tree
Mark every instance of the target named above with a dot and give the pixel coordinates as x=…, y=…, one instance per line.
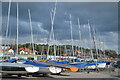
x=62, y=49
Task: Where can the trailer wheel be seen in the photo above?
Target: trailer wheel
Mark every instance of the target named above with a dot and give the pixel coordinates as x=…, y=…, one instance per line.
x=58, y=73
x=19, y=75
x=98, y=71
x=29, y=75
x=45, y=75
x=113, y=70
x=88, y=72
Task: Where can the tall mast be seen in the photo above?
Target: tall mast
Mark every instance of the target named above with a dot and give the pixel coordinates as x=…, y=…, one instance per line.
x=80, y=34
x=31, y=30
x=8, y=20
x=99, y=40
x=90, y=39
x=54, y=51
x=60, y=51
x=52, y=36
x=95, y=41
x=48, y=50
x=17, y=26
x=85, y=43
x=104, y=49
x=65, y=50
x=71, y=34
x=42, y=52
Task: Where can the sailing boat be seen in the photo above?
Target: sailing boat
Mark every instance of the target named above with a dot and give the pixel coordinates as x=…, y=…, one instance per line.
x=72, y=47
x=52, y=35
x=43, y=68
x=16, y=68
x=95, y=65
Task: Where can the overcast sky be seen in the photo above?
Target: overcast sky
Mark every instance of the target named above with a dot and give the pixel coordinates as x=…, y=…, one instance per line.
x=103, y=16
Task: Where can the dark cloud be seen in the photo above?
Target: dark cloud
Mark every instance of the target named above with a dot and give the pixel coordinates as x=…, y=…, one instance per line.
x=102, y=16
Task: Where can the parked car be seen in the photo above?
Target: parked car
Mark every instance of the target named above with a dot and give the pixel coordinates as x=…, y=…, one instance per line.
x=116, y=64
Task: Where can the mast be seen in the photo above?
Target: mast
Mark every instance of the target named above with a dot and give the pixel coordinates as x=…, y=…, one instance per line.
x=7, y=27
x=71, y=34
x=9, y=36
x=52, y=36
x=42, y=52
x=48, y=50
x=54, y=51
x=99, y=40
x=86, y=46
x=60, y=52
x=65, y=50
x=80, y=36
x=17, y=26
x=8, y=20
x=97, y=44
x=95, y=41
x=31, y=30
x=104, y=49
x=90, y=39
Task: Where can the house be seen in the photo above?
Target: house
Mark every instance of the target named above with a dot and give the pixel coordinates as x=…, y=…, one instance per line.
x=22, y=52
x=4, y=48
x=25, y=51
x=11, y=51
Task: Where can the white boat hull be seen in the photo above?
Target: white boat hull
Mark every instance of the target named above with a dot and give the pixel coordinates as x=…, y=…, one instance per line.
x=55, y=70
x=16, y=68
x=101, y=65
x=91, y=67
x=32, y=69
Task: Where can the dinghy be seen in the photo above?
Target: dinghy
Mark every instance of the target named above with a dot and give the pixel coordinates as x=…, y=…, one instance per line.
x=45, y=68
x=17, y=69
x=60, y=65
x=101, y=65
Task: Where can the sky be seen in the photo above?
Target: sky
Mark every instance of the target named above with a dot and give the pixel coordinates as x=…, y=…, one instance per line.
x=103, y=16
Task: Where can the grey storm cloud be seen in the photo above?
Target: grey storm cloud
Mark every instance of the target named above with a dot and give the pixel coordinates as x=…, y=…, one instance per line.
x=103, y=16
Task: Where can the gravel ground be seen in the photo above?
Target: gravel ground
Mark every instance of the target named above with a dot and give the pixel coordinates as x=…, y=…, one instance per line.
x=103, y=74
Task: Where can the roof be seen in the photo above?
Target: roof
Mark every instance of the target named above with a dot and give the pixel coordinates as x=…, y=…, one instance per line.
x=25, y=49
x=4, y=48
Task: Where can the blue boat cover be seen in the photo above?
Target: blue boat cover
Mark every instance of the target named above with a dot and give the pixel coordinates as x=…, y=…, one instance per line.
x=83, y=60
x=61, y=62
x=82, y=65
x=108, y=61
x=25, y=60
x=11, y=60
x=93, y=63
x=89, y=64
x=77, y=60
x=53, y=61
x=37, y=64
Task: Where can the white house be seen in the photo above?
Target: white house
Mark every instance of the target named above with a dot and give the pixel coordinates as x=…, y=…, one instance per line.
x=11, y=51
x=22, y=52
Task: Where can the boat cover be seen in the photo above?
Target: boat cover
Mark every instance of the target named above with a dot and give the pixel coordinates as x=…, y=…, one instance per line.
x=36, y=64
x=77, y=60
x=62, y=62
x=82, y=65
x=94, y=63
x=11, y=60
x=108, y=61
